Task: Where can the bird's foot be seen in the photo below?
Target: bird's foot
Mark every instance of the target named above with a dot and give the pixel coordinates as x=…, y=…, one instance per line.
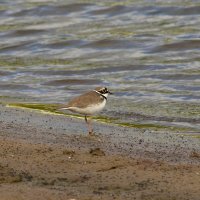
x=95, y=136
x=91, y=133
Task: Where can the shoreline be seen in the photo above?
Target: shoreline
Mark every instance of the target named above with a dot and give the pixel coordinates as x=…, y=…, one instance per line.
x=52, y=157
x=47, y=128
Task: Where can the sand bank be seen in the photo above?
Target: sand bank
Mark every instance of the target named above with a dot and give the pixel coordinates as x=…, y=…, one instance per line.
x=47, y=156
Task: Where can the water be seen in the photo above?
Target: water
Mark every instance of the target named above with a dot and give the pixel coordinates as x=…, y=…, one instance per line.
x=146, y=52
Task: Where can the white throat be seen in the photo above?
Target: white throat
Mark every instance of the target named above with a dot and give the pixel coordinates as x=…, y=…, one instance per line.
x=105, y=95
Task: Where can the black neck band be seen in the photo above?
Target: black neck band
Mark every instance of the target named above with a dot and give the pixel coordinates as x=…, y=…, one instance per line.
x=101, y=95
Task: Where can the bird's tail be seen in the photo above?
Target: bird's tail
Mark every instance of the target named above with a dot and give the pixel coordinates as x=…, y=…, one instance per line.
x=63, y=107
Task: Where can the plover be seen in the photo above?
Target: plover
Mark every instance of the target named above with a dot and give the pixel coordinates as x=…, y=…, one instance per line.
x=88, y=104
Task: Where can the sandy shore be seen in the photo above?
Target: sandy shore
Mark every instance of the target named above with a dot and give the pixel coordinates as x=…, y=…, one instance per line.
x=47, y=156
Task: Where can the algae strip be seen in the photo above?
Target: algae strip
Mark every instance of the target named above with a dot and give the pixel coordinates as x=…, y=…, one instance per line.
x=53, y=110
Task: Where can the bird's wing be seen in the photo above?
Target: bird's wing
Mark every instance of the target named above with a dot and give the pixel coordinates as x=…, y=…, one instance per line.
x=83, y=100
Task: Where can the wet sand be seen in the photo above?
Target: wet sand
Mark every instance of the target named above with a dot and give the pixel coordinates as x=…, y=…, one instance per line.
x=47, y=156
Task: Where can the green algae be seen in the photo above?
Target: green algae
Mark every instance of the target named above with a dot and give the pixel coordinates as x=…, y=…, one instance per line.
x=116, y=121
x=54, y=109
x=192, y=134
x=46, y=108
x=156, y=127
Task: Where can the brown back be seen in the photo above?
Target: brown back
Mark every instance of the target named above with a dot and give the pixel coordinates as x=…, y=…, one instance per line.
x=88, y=98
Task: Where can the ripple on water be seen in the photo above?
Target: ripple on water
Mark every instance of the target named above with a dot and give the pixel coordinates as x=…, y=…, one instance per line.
x=14, y=87
x=51, y=10
x=146, y=53
x=112, y=11
x=73, y=82
x=112, y=44
x=26, y=32
x=178, y=46
x=65, y=44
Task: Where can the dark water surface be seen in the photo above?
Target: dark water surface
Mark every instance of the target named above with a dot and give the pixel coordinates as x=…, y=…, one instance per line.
x=146, y=52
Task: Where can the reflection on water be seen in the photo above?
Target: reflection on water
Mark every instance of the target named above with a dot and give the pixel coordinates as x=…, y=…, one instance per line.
x=146, y=52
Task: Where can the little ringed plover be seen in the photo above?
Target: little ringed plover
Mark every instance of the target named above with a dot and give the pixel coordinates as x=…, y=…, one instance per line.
x=88, y=104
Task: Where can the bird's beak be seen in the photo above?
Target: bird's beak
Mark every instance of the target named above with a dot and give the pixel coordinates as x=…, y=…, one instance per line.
x=110, y=92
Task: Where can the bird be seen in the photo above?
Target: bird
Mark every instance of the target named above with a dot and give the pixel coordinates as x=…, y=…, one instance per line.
x=89, y=104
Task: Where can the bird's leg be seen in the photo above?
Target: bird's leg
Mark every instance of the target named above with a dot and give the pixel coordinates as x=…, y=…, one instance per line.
x=89, y=125
x=91, y=132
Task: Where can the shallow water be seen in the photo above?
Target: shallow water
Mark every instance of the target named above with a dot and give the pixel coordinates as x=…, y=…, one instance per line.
x=146, y=52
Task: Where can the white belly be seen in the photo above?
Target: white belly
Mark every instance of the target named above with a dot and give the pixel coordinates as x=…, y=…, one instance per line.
x=90, y=110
